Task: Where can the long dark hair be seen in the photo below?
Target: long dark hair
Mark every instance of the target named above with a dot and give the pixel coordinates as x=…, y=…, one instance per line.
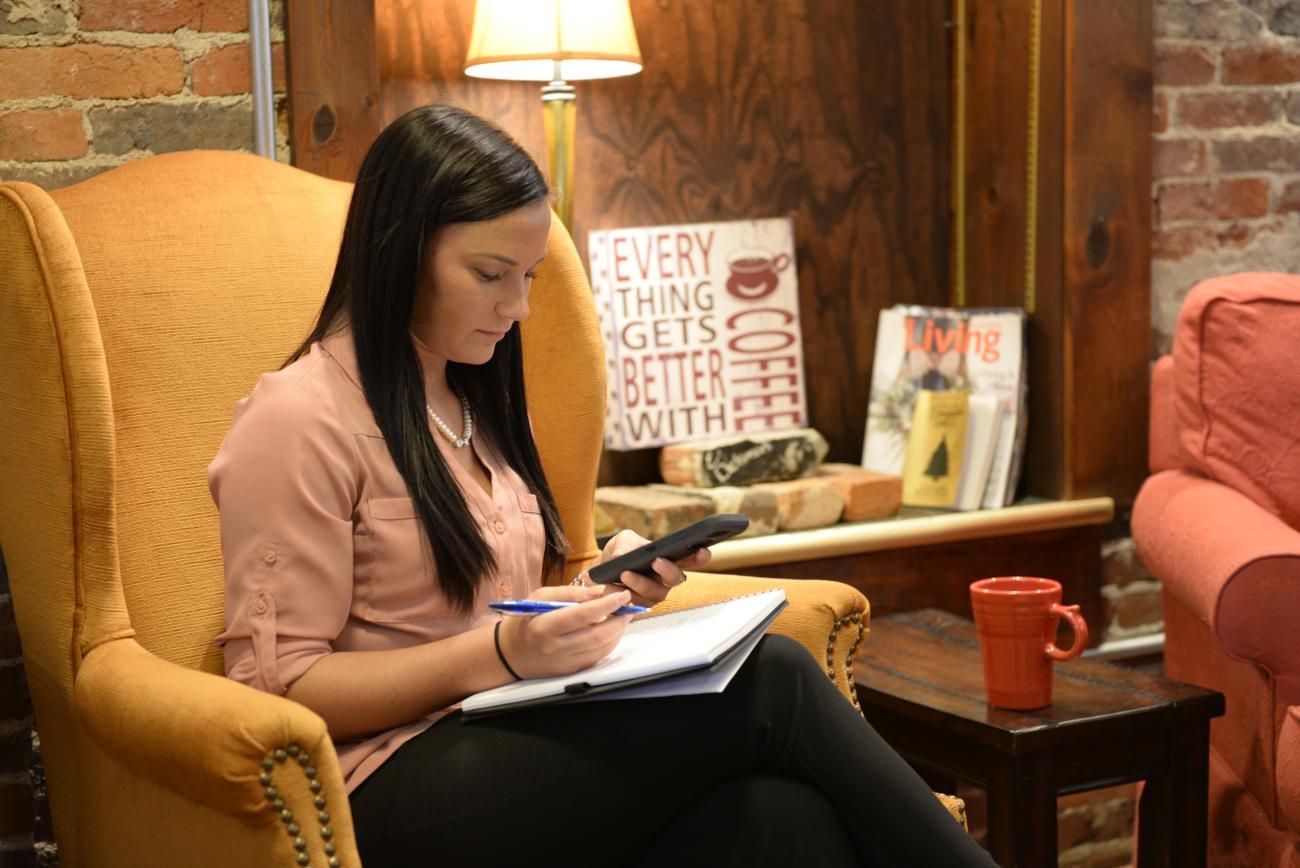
x=434, y=166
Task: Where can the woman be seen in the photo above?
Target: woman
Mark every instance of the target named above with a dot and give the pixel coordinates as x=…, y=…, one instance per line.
x=383, y=487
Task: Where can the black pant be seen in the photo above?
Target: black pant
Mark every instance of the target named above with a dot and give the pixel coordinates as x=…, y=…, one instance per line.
x=777, y=770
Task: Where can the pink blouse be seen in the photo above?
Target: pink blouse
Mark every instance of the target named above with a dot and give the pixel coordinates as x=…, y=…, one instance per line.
x=321, y=542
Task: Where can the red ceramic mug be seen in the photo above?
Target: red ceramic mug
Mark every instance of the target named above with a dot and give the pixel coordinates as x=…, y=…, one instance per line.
x=1017, y=618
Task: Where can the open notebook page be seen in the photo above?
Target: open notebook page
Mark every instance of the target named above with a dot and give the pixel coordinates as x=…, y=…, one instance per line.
x=655, y=645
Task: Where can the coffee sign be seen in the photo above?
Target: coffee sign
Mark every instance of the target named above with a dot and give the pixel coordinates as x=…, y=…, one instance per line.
x=701, y=329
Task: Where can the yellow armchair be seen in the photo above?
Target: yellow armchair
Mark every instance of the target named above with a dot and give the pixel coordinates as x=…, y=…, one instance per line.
x=136, y=308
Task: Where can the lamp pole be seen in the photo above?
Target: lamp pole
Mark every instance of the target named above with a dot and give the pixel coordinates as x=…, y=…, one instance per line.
x=560, y=111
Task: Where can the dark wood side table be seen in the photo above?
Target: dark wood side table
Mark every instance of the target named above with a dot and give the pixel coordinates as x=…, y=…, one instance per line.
x=920, y=681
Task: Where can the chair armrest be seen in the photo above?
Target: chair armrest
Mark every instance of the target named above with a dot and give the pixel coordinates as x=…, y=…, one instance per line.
x=1288, y=770
x=1235, y=565
x=827, y=618
x=205, y=737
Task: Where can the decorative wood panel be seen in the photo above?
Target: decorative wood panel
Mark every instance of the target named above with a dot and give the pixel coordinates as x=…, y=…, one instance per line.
x=1089, y=332
x=333, y=83
x=1107, y=246
x=836, y=114
x=840, y=114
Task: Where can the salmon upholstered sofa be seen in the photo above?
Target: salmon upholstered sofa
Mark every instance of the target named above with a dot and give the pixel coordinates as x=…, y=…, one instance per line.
x=1218, y=523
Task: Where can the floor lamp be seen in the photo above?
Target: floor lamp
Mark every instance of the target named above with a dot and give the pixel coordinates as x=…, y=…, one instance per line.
x=554, y=41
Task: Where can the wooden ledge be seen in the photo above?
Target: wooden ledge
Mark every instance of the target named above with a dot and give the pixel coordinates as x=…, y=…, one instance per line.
x=908, y=529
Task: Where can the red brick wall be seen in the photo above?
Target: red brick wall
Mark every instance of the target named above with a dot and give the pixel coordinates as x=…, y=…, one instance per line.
x=86, y=85
x=1226, y=157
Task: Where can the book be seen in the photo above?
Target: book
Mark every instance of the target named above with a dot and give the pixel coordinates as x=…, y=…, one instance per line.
x=935, y=448
x=981, y=351
x=701, y=330
x=983, y=420
x=696, y=650
x=996, y=363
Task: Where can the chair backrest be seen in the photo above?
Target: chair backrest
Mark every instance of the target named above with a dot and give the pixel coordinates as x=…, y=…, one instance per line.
x=136, y=308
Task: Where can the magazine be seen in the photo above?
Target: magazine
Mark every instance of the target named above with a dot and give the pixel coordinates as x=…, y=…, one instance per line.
x=977, y=350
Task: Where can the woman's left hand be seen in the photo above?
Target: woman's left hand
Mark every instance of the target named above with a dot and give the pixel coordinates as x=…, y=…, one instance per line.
x=647, y=591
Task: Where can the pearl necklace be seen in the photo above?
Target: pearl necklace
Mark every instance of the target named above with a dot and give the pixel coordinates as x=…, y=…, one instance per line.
x=467, y=419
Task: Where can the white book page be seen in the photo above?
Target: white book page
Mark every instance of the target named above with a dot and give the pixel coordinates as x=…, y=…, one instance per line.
x=982, y=428
x=995, y=362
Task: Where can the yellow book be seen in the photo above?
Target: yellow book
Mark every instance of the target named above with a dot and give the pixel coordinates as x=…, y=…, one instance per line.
x=935, y=445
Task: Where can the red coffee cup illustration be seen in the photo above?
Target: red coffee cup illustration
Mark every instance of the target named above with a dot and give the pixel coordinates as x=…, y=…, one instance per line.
x=755, y=273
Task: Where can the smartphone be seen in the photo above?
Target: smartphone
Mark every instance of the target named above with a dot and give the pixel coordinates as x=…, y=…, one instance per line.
x=674, y=547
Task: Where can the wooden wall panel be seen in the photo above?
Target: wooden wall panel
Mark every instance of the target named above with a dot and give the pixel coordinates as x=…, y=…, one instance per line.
x=1090, y=296
x=1045, y=459
x=997, y=183
x=1107, y=246
x=837, y=114
x=840, y=114
x=995, y=146
x=333, y=85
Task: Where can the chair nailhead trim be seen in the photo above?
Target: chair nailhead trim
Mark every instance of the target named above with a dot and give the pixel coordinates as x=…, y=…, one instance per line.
x=278, y=806
x=853, y=619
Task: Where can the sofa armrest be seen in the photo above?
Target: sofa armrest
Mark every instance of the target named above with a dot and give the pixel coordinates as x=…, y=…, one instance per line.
x=1162, y=434
x=211, y=740
x=827, y=618
x=1235, y=565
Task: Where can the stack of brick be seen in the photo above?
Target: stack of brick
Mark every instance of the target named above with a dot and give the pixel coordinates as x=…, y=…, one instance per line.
x=88, y=85
x=777, y=479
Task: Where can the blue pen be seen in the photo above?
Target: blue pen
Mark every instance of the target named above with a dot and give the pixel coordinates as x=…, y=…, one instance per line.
x=537, y=607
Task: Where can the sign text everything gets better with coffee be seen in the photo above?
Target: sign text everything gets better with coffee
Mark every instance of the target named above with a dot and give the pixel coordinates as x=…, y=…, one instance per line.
x=701, y=329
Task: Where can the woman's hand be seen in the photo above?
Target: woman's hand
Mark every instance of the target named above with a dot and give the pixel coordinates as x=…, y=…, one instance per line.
x=566, y=640
x=646, y=591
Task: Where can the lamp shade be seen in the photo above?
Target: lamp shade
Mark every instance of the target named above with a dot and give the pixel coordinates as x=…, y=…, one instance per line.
x=521, y=40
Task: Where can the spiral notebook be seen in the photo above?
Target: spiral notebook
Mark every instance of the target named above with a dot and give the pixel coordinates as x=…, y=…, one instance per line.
x=695, y=650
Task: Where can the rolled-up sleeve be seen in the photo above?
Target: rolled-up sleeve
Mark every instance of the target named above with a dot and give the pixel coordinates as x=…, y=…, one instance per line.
x=286, y=484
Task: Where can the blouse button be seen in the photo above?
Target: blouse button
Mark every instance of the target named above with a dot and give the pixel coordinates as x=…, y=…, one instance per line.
x=260, y=607
x=268, y=558
x=498, y=525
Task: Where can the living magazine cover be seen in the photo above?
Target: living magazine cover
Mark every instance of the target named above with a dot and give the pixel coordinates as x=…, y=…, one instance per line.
x=979, y=350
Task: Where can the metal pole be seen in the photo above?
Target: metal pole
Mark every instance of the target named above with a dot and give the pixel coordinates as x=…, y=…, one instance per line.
x=259, y=50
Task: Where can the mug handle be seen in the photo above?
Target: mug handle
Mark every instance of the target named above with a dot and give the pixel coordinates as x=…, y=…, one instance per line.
x=781, y=262
x=1077, y=625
